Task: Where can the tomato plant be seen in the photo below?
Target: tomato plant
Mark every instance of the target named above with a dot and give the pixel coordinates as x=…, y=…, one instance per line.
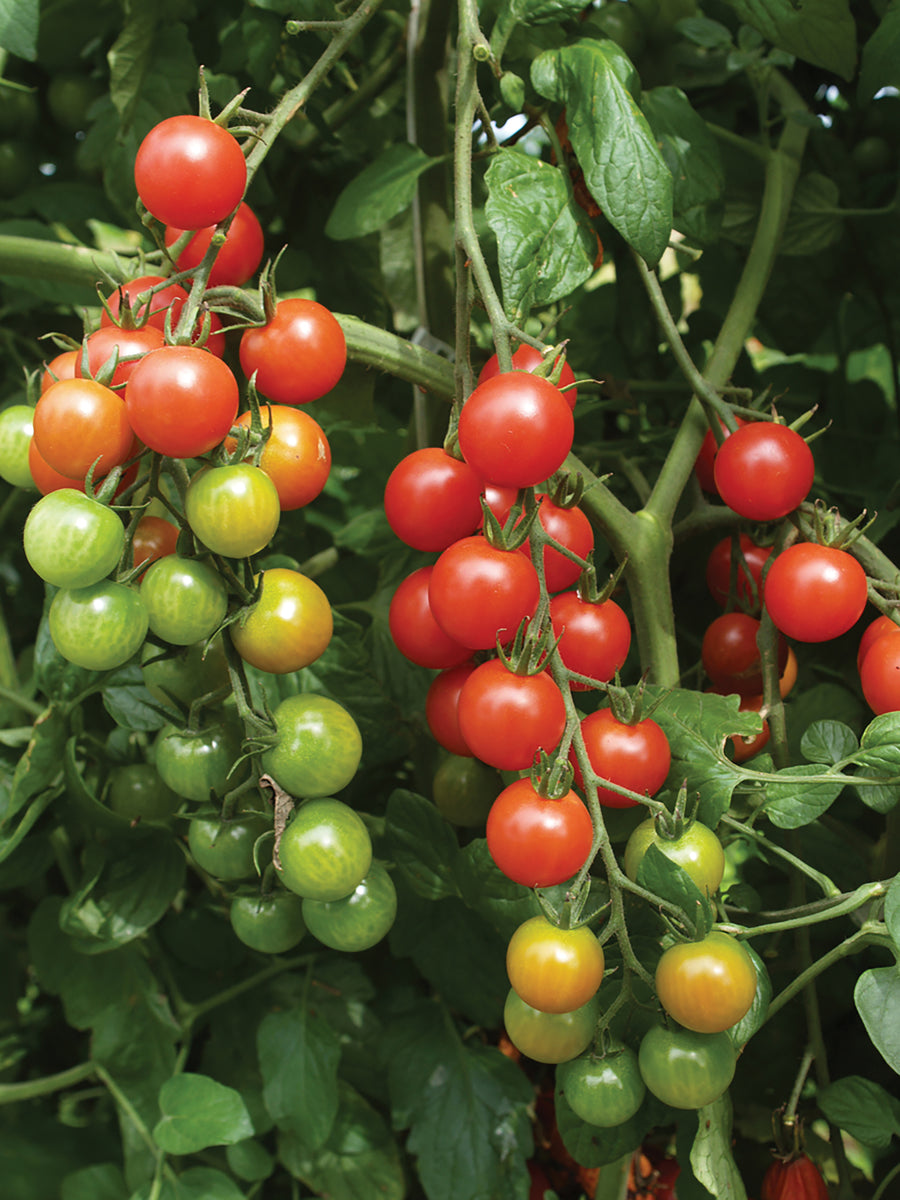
x=234, y=510
x=553, y=969
x=696, y=850
x=359, y=920
x=594, y=639
x=745, y=560
x=184, y=672
x=317, y=748
x=535, y=840
x=635, y=756
x=432, y=499
x=79, y=422
x=604, y=1090
x=442, y=707
x=296, y=457
x=529, y=358
x=298, y=355
x=190, y=172
x=325, y=852
x=706, y=985
x=549, y=1037
x=686, y=1069
x=506, y=719
x=815, y=593
x=181, y=400
x=125, y=347
x=731, y=656
x=414, y=629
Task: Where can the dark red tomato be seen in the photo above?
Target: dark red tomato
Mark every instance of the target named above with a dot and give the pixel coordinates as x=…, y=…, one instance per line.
x=147, y=306
x=594, y=639
x=815, y=593
x=182, y=401
x=78, y=421
x=64, y=366
x=878, y=628
x=529, y=358
x=793, y=1179
x=153, y=538
x=298, y=356
x=442, y=708
x=707, y=985
x=239, y=256
x=479, y=593
x=297, y=456
x=745, y=748
x=764, y=470
x=536, y=841
x=636, y=756
x=505, y=719
x=190, y=172
x=879, y=675
x=432, y=499
x=752, y=559
x=414, y=629
x=705, y=463
x=130, y=345
x=730, y=654
x=516, y=429
x=571, y=528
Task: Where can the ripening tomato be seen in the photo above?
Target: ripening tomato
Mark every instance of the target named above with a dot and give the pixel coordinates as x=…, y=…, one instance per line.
x=154, y=537
x=686, y=1069
x=298, y=356
x=793, y=1179
x=154, y=305
x=288, y=627
x=318, y=747
x=764, y=470
x=499, y=500
x=239, y=255
x=516, y=429
x=571, y=528
x=707, y=985
x=186, y=599
x=635, y=756
x=296, y=456
x=415, y=631
x=16, y=436
x=697, y=851
x=46, y=479
x=71, y=540
x=529, y=358
x=506, y=719
x=442, y=708
x=190, y=172
x=594, y=639
x=536, y=841
x=815, y=593
x=553, y=969
x=78, y=422
x=463, y=790
x=550, y=1037
x=479, y=593
x=752, y=559
x=181, y=401
x=604, y=1090
x=233, y=509
x=432, y=499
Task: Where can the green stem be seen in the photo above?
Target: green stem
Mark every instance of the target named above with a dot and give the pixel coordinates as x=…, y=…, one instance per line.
x=31, y=1089
x=842, y=908
x=881, y=1190
x=193, y=1011
x=829, y=889
x=854, y=944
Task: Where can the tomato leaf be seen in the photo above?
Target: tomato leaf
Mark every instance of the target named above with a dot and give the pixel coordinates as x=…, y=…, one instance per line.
x=623, y=167
x=755, y=1017
x=812, y=224
x=422, y=844
x=863, y=1109
x=379, y=192
x=298, y=1058
x=545, y=249
x=130, y=704
x=711, y=1157
x=593, y=1146
x=39, y=768
x=880, y=66
x=693, y=157
x=250, y=1160
x=877, y=999
x=668, y=880
x=789, y=804
x=539, y=12
x=892, y=910
x=196, y=1183
x=198, y=1112
x=821, y=32
x=487, y=891
x=101, y=1182
x=19, y=20
x=828, y=742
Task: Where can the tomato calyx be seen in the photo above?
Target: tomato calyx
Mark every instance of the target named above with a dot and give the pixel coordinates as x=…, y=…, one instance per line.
x=529, y=651
x=551, y=778
x=629, y=705
x=827, y=527
x=517, y=527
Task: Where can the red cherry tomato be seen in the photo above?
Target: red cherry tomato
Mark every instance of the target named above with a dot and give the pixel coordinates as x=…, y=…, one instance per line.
x=416, y=632
x=879, y=675
x=298, y=356
x=442, y=708
x=64, y=366
x=764, y=470
x=130, y=346
x=505, y=719
x=154, y=309
x=815, y=593
x=704, y=465
x=190, y=172
x=745, y=748
x=432, y=499
x=239, y=256
x=182, y=401
x=479, y=593
x=153, y=538
x=571, y=528
x=878, y=628
x=636, y=756
x=730, y=654
x=528, y=358
x=594, y=639
x=536, y=841
x=793, y=1179
x=752, y=559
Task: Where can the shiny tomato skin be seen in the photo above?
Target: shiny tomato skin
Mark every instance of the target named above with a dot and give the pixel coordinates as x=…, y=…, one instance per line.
x=793, y=1179
x=764, y=470
x=704, y=465
x=288, y=627
x=536, y=841
x=718, y=570
x=145, y=308
x=636, y=756
x=571, y=528
x=98, y=627
x=730, y=654
x=414, y=630
x=697, y=851
x=879, y=675
x=71, y=540
x=432, y=499
x=500, y=500
x=516, y=429
x=874, y=630
x=708, y=985
x=554, y=970
x=195, y=763
x=506, y=719
x=815, y=593
x=603, y=1090
x=77, y=421
x=594, y=639
x=224, y=848
x=63, y=366
x=190, y=172
x=358, y=921
x=686, y=1069
x=154, y=538
x=46, y=479
x=233, y=510
x=238, y=257
x=137, y=792
x=16, y=435
x=528, y=358
x=298, y=356
x=742, y=748
x=442, y=708
x=128, y=345
x=186, y=599
x=478, y=593
x=319, y=746
x=271, y=924
x=325, y=850
x=181, y=400
x=549, y=1037
x=297, y=456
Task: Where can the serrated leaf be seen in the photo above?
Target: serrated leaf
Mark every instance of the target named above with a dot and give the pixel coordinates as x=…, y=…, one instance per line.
x=692, y=155
x=790, y=804
x=828, y=742
x=422, y=844
x=198, y=1112
x=863, y=1109
x=545, y=250
x=379, y=192
x=821, y=32
x=880, y=65
x=19, y=21
x=877, y=999
x=298, y=1058
x=711, y=1156
x=623, y=167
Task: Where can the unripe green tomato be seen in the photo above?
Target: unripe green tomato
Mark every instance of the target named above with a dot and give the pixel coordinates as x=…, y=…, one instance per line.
x=464, y=790
x=318, y=747
x=550, y=1037
x=698, y=851
x=98, y=627
x=271, y=924
x=69, y=98
x=137, y=792
x=358, y=921
x=186, y=599
x=604, y=1091
x=71, y=540
x=16, y=431
x=194, y=763
x=224, y=848
x=190, y=672
x=325, y=850
x=19, y=110
x=17, y=165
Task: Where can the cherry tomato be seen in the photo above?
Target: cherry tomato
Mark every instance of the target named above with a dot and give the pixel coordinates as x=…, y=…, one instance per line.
x=224, y=848
x=298, y=356
x=77, y=422
x=138, y=793
x=46, y=479
x=697, y=851
x=288, y=627
x=479, y=593
x=516, y=429
x=730, y=654
x=357, y=921
x=873, y=631
x=297, y=456
x=718, y=570
x=271, y=924
x=815, y=593
x=186, y=599
x=63, y=366
x=16, y=434
x=571, y=528
x=464, y=789
x=529, y=358
x=793, y=1179
x=233, y=510
x=442, y=708
x=636, y=756
x=415, y=631
x=764, y=470
x=707, y=985
x=603, y=1090
x=879, y=675
x=705, y=462
x=238, y=257
x=181, y=401
x=195, y=763
x=594, y=639
x=154, y=538
x=552, y=969
x=325, y=850
x=188, y=673
x=190, y=172
x=744, y=748
x=146, y=304
x=319, y=746
x=432, y=499
x=98, y=627
x=500, y=500
x=127, y=345
x=536, y=841
x=506, y=719
x=550, y=1037
x=71, y=540
x=686, y=1069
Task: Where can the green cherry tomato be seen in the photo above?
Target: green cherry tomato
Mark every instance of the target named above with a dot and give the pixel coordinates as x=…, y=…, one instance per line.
x=234, y=510
x=685, y=1069
x=186, y=599
x=549, y=1037
x=98, y=627
x=698, y=851
x=318, y=747
x=71, y=540
x=185, y=674
x=224, y=848
x=325, y=850
x=359, y=920
x=270, y=924
x=16, y=431
x=604, y=1091
x=194, y=763
x=464, y=789
x=137, y=792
